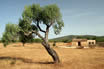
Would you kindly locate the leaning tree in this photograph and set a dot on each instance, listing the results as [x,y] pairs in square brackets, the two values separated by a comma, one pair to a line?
[41,19]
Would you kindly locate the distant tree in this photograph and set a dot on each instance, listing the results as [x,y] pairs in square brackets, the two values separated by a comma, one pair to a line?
[48,16]
[37,40]
[54,43]
[100,39]
[11,34]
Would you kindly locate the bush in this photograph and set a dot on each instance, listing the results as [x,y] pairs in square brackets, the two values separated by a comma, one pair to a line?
[54,43]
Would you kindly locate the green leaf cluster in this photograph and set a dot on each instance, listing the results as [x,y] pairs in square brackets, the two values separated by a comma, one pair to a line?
[11,34]
[48,15]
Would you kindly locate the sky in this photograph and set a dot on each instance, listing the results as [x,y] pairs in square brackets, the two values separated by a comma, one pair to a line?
[81,17]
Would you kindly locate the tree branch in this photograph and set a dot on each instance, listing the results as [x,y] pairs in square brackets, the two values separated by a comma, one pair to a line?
[38,35]
[51,23]
[40,28]
[30,33]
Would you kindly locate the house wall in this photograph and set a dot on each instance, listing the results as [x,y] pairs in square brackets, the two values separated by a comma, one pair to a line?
[91,42]
[74,43]
[84,43]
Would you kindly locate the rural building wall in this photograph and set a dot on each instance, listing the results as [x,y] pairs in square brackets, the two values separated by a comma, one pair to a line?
[84,43]
[74,43]
[91,42]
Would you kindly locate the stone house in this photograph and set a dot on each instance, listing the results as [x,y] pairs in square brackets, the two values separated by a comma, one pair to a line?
[83,42]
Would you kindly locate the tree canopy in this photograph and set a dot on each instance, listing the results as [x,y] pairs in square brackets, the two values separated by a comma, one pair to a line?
[25,26]
[10,34]
[48,15]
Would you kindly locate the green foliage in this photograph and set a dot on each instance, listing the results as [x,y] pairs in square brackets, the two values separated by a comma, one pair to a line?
[10,34]
[51,14]
[25,26]
[62,40]
[25,39]
[48,15]
[32,40]
[37,40]
[58,27]
[32,12]
[100,39]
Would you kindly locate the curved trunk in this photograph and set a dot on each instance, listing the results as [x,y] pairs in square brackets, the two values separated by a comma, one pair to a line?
[51,52]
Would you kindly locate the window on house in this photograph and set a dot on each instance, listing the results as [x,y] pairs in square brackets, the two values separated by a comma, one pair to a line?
[89,43]
[93,43]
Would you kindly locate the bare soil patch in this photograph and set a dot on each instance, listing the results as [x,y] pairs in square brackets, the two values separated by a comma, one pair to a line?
[34,56]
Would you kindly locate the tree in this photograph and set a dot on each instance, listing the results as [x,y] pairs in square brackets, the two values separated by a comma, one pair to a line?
[10,34]
[24,25]
[54,43]
[25,39]
[48,16]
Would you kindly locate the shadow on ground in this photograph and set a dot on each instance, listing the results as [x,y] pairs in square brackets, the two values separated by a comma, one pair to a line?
[25,60]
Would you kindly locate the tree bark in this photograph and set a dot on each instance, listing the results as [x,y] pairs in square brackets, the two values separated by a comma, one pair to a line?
[51,52]
[46,36]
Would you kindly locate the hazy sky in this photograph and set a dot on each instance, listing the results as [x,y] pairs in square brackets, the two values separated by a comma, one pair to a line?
[81,17]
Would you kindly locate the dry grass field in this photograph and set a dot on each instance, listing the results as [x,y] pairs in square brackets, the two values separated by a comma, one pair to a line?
[34,56]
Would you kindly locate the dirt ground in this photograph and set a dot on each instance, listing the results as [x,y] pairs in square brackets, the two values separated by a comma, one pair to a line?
[34,56]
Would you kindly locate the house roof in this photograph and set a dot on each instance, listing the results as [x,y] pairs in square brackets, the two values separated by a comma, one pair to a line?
[76,40]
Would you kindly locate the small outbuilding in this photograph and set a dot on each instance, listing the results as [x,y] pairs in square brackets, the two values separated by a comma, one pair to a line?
[83,42]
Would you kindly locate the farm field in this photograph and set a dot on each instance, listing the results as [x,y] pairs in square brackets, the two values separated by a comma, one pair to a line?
[34,56]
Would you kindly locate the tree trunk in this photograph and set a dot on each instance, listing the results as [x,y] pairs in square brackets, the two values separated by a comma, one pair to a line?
[46,35]
[51,52]
[23,44]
